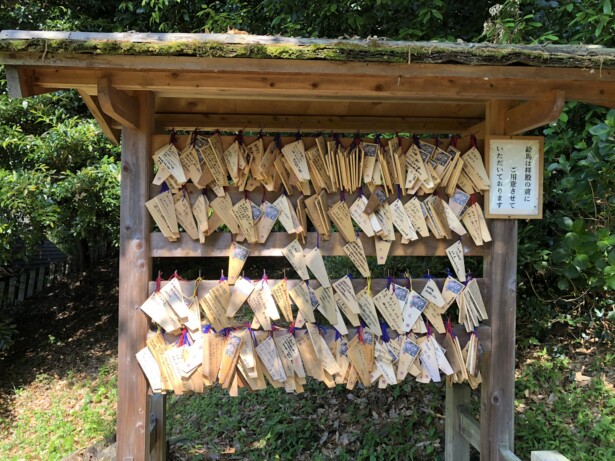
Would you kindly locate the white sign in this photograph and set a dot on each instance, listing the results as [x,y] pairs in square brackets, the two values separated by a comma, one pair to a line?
[515,166]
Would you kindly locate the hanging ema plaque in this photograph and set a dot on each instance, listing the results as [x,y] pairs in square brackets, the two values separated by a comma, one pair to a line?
[515,165]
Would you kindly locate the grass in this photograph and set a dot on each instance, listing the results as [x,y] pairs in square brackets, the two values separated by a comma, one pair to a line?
[54,417]
[564,402]
[560,409]
[557,408]
[320,424]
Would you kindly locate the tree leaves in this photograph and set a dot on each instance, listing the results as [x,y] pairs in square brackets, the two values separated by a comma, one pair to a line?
[42,138]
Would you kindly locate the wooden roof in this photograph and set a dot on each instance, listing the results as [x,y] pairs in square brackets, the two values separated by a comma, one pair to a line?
[234,81]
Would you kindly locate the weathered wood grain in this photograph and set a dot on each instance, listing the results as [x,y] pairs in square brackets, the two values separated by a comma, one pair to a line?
[498,367]
[326,87]
[287,48]
[469,427]
[217,245]
[135,270]
[456,446]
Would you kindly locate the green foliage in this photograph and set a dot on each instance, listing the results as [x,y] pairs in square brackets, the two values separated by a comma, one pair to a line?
[322,424]
[544,21]
[7,334]
[26,210]
[52,431]
[583,184]
[418,20]
[58,175]
[568,256]
[89,201]
[555,412]
[90,15]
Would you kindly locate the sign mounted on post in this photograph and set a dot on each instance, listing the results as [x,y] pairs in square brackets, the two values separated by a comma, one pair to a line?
[515,165]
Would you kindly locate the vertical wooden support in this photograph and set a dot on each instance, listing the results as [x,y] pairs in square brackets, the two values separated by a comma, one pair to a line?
[135,272]
[10,299]
[456,448]
[498,367]
[21,294]
[158,430]
[31,283]
[40,282]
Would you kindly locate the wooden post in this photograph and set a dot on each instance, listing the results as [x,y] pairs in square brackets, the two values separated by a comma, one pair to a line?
[10,299]
[135,272]
[498,367]
[31,283]
[21,294]
[158,427]
[40,282]
[457,448]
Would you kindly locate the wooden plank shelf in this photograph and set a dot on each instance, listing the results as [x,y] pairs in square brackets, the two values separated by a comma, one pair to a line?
[217,246]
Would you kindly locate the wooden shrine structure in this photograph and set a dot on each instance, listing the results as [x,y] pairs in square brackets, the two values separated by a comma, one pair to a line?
[140,86]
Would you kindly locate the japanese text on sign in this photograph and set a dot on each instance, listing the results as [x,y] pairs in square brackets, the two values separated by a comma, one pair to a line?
[515,169]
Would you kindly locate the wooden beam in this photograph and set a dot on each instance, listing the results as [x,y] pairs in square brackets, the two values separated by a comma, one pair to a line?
[153,428]
[498,366]
[373,109]
[550,455]
[285,66]
[158,439]
[456,446]
[117,104]
[104,121]
[331,87]
[469,427]
[477,130]
[218,244]
[534,114]
[190,121]
[135,272]
[19,81]
[527,116]
[505,454]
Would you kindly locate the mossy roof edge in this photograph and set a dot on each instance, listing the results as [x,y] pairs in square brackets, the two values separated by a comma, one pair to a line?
[275,47]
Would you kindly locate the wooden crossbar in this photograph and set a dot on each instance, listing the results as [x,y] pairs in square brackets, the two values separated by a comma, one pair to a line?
[217,246]
[469,427]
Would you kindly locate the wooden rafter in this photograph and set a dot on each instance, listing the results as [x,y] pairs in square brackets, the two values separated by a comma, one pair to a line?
[19,81]
[534,114]
[528,115]
[101,117]
[191,121]
[117,104]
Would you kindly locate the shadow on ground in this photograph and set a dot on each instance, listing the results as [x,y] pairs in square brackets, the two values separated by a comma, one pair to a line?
[66,331]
